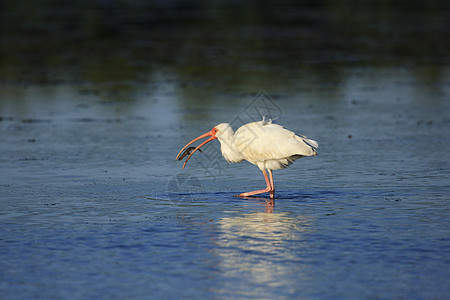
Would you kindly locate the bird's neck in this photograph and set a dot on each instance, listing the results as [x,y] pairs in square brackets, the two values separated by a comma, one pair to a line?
[229,151]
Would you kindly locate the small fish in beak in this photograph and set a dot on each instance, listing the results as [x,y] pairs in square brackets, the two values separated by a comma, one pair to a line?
[187,152]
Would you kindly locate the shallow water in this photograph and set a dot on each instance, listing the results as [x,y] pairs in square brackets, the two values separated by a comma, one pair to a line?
[93,203]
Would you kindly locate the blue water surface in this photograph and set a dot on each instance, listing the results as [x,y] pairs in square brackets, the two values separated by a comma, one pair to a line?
[97,206]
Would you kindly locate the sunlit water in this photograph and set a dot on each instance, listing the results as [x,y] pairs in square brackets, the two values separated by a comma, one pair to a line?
[93,203]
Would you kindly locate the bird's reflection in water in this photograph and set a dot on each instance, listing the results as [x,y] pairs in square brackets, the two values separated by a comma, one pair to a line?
[269,206]
[260,250]
[269,203]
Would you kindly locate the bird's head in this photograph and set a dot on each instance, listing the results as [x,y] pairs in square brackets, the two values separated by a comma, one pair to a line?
[216,133]
[223,130]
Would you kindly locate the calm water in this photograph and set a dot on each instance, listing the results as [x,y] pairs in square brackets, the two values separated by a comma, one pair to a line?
[93,203]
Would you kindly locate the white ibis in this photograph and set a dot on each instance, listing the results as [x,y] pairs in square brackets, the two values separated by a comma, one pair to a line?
[267,145]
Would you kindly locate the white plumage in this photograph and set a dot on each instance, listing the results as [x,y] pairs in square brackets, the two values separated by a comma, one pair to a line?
[264,144]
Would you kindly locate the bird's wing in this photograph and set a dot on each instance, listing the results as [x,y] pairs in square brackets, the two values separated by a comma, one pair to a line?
[259,142]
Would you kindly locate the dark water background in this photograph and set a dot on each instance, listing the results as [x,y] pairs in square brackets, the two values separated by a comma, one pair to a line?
[97,98]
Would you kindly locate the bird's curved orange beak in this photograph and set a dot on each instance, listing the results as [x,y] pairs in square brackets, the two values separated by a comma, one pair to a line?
[211,134]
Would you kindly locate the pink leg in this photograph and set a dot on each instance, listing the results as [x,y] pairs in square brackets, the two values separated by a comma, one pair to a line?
[269,189]
[272,187]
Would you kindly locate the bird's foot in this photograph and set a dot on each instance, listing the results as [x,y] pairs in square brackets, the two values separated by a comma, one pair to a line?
[268,190]
[252,193]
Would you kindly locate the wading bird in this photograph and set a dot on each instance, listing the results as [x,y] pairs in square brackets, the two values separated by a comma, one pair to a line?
[264,144]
